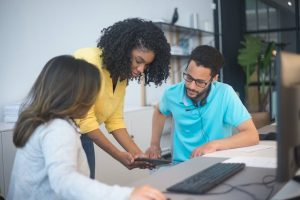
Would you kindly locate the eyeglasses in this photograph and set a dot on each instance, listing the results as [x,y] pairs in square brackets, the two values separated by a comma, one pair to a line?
[199,83]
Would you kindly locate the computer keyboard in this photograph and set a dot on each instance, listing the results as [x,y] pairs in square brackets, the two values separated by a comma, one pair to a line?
[207,179]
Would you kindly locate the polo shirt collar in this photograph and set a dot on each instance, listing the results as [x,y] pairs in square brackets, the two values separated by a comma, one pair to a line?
[185,100]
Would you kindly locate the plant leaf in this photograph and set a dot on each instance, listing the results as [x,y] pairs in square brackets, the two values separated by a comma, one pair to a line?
[248,55]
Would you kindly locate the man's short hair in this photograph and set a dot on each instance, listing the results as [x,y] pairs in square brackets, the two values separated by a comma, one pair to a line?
[208,57]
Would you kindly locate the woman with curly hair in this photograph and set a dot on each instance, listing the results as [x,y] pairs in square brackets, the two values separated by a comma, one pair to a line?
[126,50]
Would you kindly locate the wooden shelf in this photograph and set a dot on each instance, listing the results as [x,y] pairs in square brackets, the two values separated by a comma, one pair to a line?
[181,55]
[182,41]
[267,83]
[183,29]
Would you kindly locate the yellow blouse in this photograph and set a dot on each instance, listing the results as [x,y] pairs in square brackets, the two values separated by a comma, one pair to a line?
[109,105]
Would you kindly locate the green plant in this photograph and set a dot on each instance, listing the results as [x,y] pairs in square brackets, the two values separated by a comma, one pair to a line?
[256,55]
[249,54]
[264,63]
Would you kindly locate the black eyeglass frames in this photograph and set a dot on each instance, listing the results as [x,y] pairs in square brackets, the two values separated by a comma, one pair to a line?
[200,83]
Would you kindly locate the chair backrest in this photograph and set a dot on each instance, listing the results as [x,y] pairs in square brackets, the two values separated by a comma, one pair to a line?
[261,119]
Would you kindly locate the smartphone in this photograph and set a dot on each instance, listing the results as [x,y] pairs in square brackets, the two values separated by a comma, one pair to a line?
[154,161]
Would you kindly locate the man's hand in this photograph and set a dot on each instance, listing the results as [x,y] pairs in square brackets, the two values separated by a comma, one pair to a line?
[205,149]
[153,151]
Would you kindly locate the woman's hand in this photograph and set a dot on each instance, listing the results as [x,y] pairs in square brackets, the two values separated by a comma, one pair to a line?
[126,159]
[142,164]
[146,193]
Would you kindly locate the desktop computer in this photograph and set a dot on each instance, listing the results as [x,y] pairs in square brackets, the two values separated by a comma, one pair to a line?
[288,115]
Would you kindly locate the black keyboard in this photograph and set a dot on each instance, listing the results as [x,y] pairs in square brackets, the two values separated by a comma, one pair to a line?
[207,179]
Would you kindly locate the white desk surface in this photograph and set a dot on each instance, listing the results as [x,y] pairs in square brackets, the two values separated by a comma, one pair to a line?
[268,149]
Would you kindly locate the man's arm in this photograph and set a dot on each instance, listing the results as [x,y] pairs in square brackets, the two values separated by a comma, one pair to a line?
[158,122]
[247,135]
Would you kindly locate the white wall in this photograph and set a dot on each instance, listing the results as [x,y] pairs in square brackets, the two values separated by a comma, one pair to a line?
[33,31]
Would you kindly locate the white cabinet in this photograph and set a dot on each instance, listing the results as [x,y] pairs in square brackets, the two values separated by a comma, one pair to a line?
[7,151]
[1,168]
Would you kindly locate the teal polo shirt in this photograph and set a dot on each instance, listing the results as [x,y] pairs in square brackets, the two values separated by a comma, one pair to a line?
[195,125]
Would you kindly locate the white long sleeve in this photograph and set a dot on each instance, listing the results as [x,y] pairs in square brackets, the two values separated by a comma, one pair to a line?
[55,167]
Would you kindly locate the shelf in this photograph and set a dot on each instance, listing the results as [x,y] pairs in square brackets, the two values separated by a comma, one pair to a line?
[267,83]
[183,29]
[182,41]
[181,55]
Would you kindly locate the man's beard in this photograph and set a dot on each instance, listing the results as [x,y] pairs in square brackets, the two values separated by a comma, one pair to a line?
[200,95]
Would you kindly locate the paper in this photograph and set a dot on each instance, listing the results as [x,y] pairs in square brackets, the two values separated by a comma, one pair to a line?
[264,162]
[253,148]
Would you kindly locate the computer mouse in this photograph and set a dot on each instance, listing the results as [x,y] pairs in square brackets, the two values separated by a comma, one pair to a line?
[296,178]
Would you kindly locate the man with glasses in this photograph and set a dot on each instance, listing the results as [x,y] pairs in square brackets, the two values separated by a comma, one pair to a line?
[205,112]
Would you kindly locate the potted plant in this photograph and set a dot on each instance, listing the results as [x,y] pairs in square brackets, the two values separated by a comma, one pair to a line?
[256,57]
[248,56]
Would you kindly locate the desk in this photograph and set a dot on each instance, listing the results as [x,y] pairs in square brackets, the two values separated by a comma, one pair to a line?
[291,189]
[166,177]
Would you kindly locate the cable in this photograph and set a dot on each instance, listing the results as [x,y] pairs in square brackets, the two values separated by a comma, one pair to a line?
[264,182]
[224,192]
[246,192]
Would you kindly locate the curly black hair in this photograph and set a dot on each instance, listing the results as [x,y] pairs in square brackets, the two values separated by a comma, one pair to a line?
[118,41]
[208,57]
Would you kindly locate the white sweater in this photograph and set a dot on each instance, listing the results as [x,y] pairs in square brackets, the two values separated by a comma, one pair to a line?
[53,165]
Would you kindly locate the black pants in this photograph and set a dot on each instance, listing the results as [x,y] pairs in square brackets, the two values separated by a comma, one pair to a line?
[88,147]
